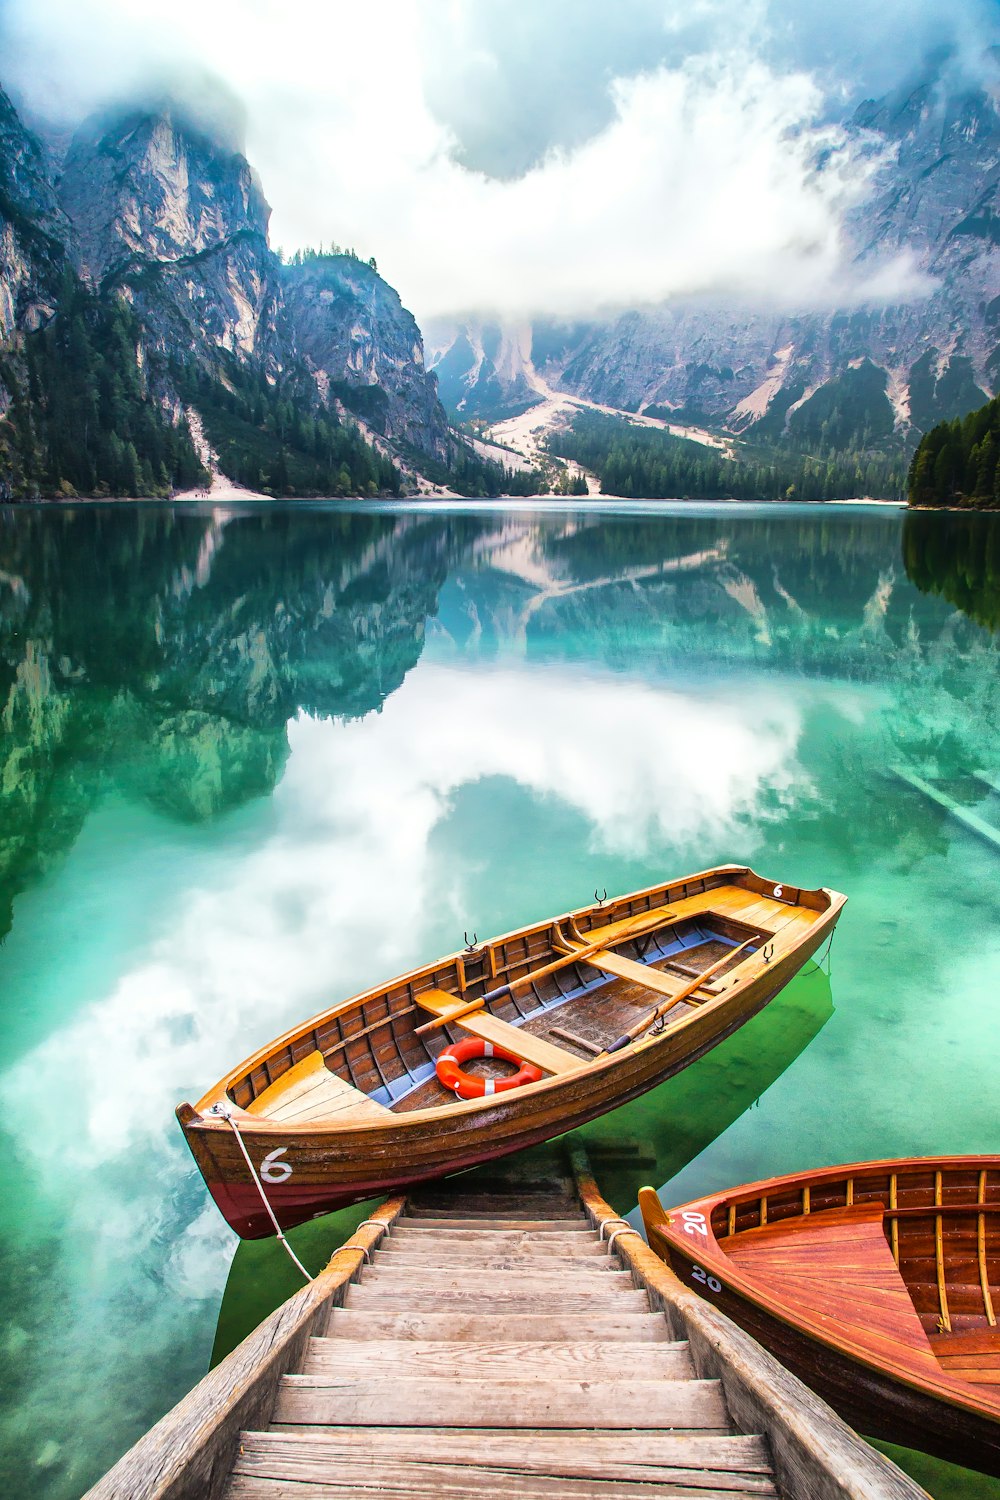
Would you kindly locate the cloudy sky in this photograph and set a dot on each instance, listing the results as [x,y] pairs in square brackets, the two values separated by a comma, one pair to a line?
[526,155]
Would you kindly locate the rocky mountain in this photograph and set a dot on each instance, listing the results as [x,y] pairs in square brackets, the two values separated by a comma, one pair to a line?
[362,345]
[176,223]
[34,233]
[761,372]
[154,211]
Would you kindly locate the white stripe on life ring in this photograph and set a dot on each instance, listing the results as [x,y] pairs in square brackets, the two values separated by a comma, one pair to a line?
[488,1053]
[491,1086]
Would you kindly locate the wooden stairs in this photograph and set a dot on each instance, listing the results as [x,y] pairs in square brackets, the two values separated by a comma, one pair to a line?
[494,1343]
[480,1338]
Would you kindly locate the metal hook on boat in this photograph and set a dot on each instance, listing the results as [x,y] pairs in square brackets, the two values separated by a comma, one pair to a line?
[600,899]
[471,947]
[768,952]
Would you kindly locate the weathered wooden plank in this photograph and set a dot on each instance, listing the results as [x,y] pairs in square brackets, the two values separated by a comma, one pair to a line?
[594,1279]
[417,1248]
[465,1482]
[293,1474]
[618,1454]
[499,1299]
[465,1324]
[399,1398]
[503,1361]
[437,1219]
[963,815]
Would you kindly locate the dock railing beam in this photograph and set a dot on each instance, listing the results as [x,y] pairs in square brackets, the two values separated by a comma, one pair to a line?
[816,1455]
[190,1452]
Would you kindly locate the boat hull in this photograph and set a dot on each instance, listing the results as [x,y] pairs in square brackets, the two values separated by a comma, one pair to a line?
[814,1309]
[871,1401]
[309,1164]
[325,1169]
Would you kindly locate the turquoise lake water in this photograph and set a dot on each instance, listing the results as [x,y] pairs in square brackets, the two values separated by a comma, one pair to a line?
[254,759]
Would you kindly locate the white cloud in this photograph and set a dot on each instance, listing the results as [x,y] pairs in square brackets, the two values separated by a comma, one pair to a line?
[702,177]
[294,926]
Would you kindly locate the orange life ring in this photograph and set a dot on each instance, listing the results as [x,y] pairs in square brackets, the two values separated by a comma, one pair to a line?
[466,1085]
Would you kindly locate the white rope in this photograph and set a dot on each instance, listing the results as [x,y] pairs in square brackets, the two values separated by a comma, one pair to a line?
[613,1237]
[220,1109]
[605,1222]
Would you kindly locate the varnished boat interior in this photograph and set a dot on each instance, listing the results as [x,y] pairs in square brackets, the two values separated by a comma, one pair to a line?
[374,1055]
[912,1254]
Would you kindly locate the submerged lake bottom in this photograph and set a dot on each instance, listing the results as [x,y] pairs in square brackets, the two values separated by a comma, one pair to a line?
[255,759]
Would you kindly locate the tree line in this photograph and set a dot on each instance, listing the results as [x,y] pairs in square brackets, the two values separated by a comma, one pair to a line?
[272,438]
[81,420]
[647,463]
[956,463]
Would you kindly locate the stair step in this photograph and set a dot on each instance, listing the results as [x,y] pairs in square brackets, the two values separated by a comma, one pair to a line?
[477,1279]
[488,1202]
[517,1300]
[508,1360]
[414,1251]
[548,1240]
[397,1398]
[256,1479]
[492,1221]
[587,1266]
[654,1456]
[465,1325]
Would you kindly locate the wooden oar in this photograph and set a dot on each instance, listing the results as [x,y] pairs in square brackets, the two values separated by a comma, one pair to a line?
[647,919]
[689,989]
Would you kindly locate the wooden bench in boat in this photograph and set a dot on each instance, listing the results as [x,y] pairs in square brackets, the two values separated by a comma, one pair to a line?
[836,1263]
[533,1049]
[640,973]
[973,1355]
[309,1091]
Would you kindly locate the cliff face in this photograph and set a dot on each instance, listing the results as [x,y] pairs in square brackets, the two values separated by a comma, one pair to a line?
[361,344]
[742,365]
[178,224]
[152,207]
[33,230]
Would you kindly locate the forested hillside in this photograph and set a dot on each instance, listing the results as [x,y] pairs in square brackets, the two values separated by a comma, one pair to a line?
[647,463]
[956,462]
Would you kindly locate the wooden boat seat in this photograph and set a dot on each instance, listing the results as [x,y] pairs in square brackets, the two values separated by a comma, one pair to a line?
[639,973]
[309,1091]
[973,1355]
[838,1264]
[533,1049]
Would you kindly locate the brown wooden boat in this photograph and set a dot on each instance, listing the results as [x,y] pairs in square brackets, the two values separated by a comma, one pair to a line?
[878,1284]
[597,1006]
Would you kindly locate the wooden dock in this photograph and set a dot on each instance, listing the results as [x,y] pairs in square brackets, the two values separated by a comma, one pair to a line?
[964,815]
[509,1334]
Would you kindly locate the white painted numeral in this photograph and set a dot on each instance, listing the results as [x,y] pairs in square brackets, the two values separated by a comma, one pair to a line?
[694,1223]
[273,1170]
[779,891]
[712,1282]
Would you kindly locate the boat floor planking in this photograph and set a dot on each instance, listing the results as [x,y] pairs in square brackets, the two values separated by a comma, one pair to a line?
[347,1105]
[877,1283]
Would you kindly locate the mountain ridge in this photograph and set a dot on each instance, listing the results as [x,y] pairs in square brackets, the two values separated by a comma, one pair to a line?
[747,369]
[152,212]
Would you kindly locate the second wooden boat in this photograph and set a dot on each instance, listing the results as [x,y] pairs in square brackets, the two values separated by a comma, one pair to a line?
[571,1017]
[878,1284]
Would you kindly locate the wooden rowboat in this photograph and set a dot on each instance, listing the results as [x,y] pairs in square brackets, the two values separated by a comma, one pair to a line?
[348,1105]
[878,1284]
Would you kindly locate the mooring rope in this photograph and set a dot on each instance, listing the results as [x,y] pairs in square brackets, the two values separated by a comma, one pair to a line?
[826,952]
[226,1114]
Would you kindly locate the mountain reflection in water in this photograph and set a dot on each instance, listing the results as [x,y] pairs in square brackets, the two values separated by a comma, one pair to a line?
[251,760]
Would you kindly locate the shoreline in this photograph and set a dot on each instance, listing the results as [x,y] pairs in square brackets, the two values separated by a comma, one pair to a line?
[236,496]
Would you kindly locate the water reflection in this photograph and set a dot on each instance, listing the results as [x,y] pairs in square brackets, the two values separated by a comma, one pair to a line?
[252,761]
[956,556]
